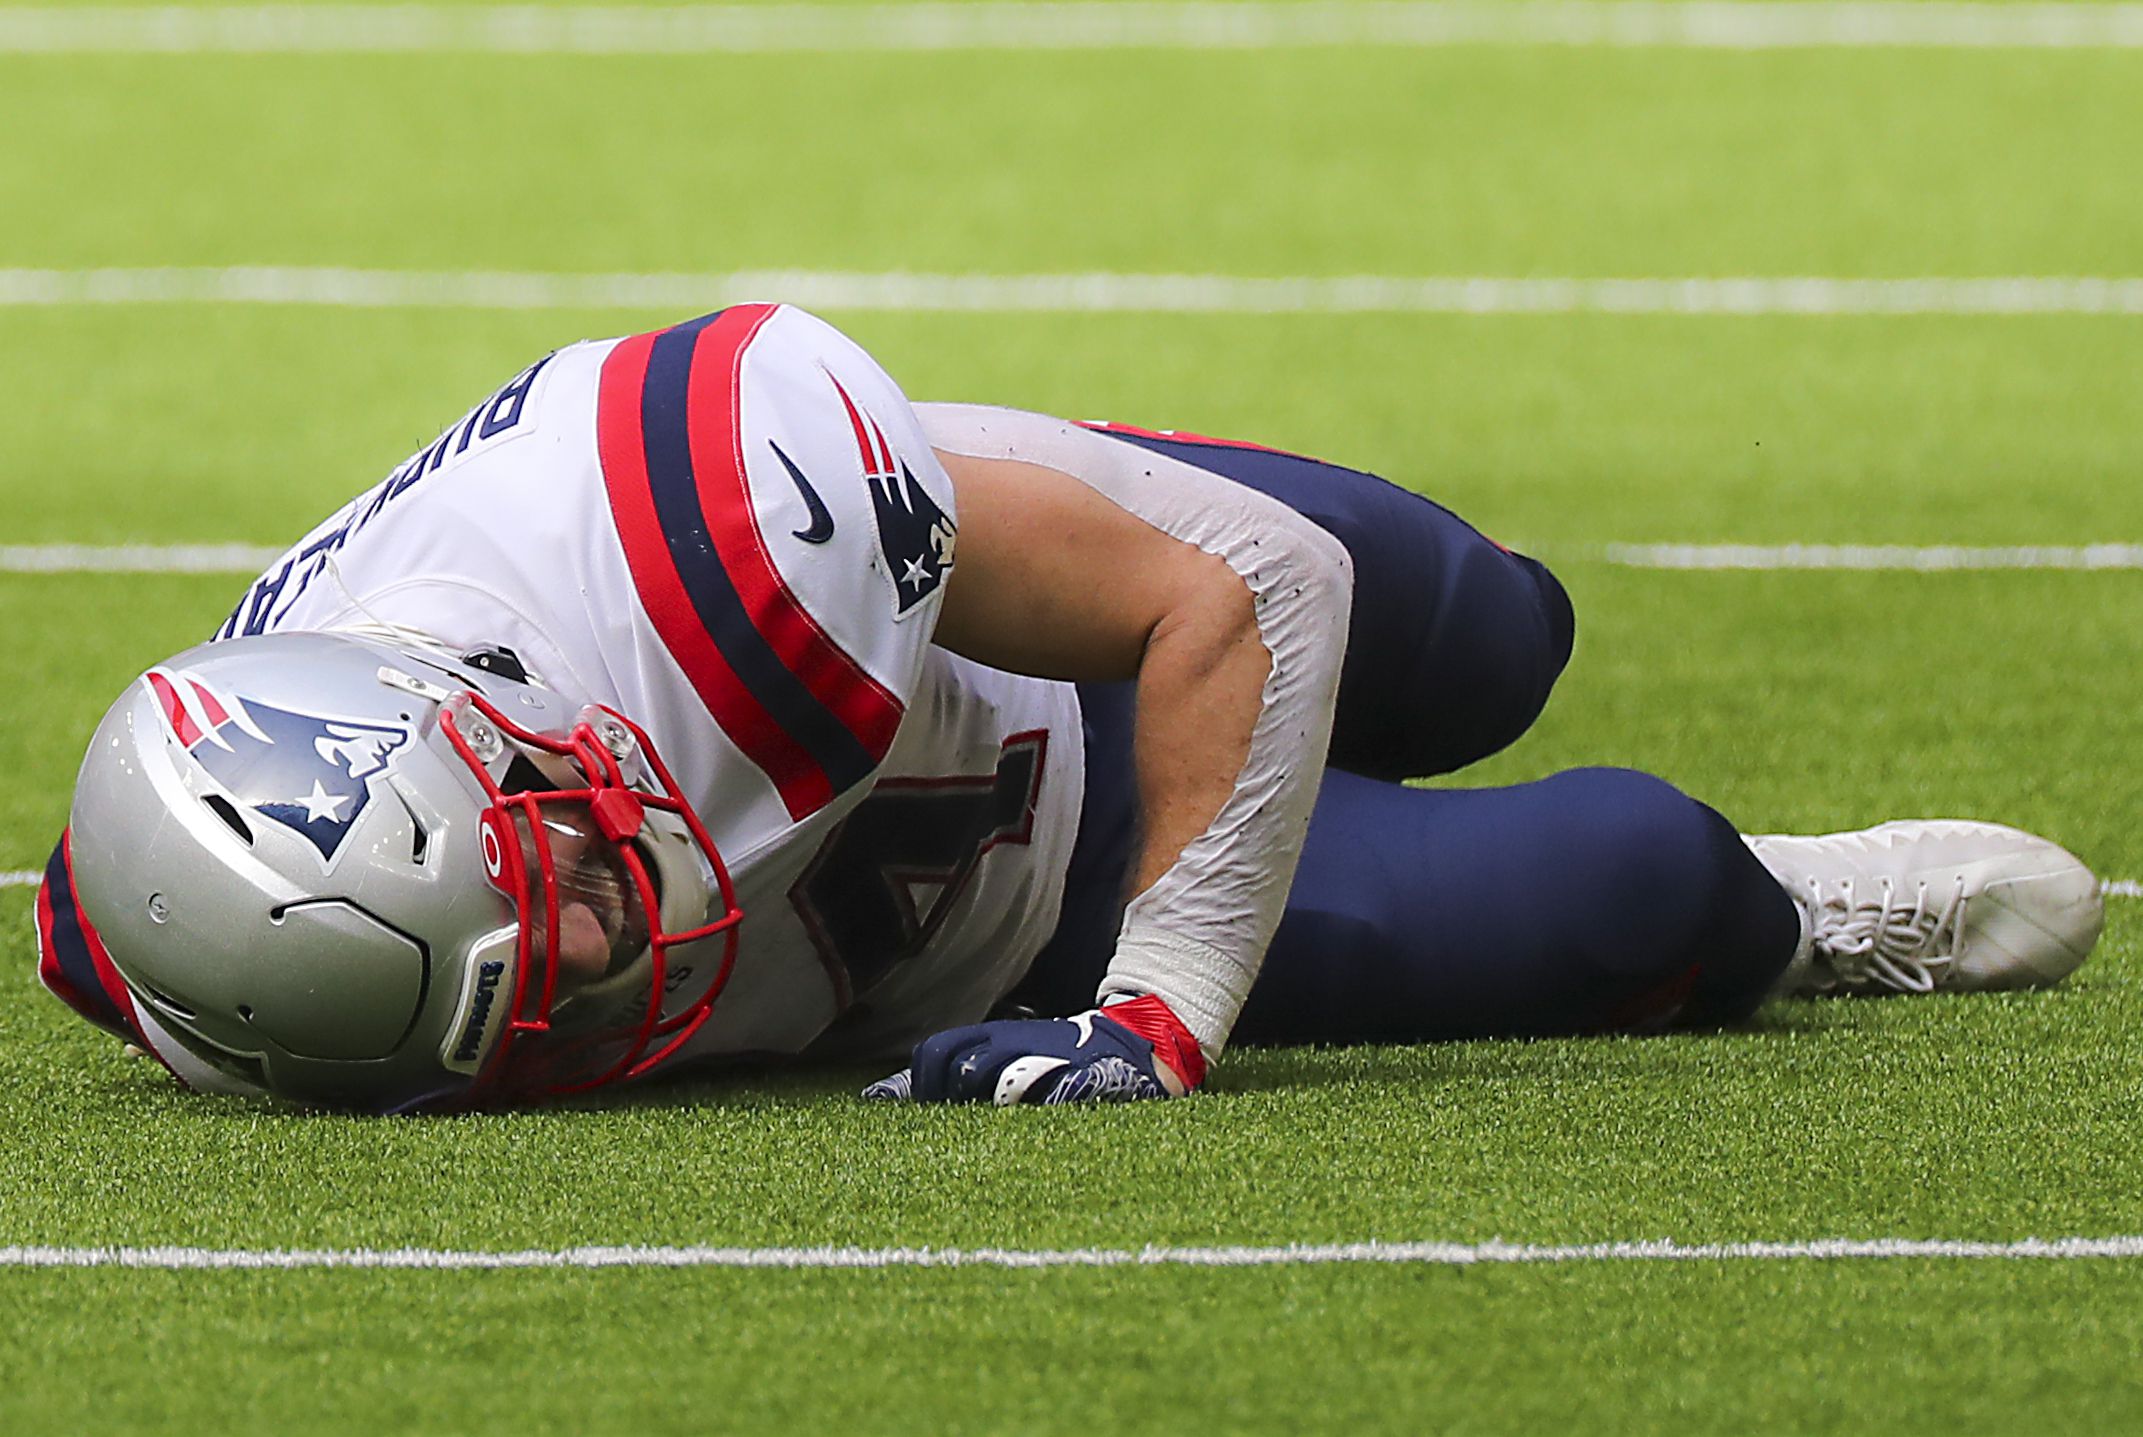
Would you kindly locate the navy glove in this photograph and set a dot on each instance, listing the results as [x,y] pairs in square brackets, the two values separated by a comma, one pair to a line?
[1128,1050]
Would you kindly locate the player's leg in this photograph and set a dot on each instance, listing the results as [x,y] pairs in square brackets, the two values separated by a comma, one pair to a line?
[1454,641]
[1598,899]
[1595,900]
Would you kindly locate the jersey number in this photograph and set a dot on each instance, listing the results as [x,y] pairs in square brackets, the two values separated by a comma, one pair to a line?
[887,877]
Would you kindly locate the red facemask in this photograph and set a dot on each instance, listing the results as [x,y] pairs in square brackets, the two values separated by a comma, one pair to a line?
[600,993]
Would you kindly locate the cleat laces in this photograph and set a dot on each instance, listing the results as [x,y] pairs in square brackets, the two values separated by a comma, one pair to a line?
[1880,940]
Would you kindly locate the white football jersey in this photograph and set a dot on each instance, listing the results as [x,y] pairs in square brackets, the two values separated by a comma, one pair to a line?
[734,532]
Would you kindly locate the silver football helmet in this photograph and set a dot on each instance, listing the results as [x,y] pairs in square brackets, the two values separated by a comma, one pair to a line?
[358,874]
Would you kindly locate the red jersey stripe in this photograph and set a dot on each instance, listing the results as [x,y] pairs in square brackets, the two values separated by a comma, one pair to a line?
[108,978]
[862,705]
[55,928]
[49,971]
[621,447]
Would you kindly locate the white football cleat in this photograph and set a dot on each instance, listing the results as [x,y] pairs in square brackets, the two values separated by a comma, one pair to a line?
[1926,904]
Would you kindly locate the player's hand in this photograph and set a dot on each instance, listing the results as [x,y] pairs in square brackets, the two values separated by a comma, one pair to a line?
[1128,1050]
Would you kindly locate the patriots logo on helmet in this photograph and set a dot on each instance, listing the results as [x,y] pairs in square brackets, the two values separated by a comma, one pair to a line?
[914,534]
[311,773]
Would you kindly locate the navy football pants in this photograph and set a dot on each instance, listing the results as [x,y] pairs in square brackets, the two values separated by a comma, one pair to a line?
[1596,900]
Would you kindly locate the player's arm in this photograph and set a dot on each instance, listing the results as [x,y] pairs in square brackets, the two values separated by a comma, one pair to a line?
[1055,580]
[1082,557]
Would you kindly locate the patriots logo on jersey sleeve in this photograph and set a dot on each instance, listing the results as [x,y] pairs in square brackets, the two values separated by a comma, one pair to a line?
[312,773]
[914,534]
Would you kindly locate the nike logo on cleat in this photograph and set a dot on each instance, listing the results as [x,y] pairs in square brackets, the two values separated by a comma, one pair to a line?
[821,520]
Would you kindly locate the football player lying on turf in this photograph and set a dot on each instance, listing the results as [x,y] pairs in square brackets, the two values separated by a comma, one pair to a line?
[653,681]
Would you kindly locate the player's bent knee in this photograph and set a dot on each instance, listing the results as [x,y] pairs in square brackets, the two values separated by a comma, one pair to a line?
[1484,644]
[1686,901]
[1536,649]
[1559,621]
[1651,829]
[1642,846]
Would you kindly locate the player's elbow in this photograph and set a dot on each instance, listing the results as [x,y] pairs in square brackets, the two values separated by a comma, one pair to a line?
[1287,586]
[1322,574]
[1271,609]
[1302,583]
[1211,618]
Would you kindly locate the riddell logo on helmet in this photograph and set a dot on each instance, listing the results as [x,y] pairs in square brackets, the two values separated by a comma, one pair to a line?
[485,984]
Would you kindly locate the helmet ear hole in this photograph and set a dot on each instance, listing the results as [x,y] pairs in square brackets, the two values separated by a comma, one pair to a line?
[224,809]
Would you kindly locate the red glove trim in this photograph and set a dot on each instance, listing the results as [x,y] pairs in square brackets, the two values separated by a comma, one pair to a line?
[1157,1023]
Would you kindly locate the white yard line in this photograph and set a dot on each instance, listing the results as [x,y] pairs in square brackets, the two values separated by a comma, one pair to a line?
[1074,293]
[1421,1253]
[1895,557]
[817,29]
[135,558]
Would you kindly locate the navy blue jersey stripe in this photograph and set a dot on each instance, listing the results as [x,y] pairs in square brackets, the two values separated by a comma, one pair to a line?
[675,490]
[70,950]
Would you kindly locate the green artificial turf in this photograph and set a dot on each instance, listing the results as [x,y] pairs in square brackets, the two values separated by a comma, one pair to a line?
[195,424]
[1315,161]
[1703,1349]
[1793,701]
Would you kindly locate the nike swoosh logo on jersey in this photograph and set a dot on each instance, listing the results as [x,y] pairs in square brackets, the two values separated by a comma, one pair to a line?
[821,520]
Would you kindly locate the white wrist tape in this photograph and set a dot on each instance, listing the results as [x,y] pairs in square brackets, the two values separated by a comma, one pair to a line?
[1203,986]
[1196,938]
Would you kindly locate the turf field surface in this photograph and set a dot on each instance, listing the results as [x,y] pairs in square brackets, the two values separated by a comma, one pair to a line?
[1789,700]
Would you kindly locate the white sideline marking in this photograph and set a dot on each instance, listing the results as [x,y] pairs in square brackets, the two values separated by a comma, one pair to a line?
[1921,559]
[135,558]
[818,28]
[1073,293]
[1447,1254]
